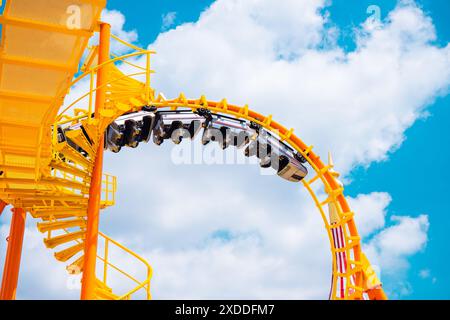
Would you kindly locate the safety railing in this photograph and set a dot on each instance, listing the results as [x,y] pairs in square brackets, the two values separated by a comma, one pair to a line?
[86,110]
[82,109]
[69,183]
[109,188]
[140,285]
[143,286]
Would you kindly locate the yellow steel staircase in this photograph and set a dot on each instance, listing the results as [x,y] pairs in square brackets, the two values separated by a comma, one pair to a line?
[41,171]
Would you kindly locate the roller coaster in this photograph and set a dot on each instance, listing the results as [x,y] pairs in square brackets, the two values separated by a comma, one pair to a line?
[51,157]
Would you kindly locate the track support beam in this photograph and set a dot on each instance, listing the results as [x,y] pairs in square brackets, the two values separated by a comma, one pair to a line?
[13,255]
[88,283]
[377,294]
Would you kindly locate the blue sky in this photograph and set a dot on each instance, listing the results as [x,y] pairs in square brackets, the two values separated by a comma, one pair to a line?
[394,167]
[414,175]
[423,190]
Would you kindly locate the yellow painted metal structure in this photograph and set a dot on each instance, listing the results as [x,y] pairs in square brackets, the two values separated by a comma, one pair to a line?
[53,181]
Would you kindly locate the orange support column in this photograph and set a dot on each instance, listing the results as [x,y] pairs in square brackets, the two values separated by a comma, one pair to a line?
[13,255]
[88,283]
[3,205]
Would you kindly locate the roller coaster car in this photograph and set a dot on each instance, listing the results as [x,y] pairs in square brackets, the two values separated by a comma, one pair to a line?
[130,130]
[228,132]
[177,125]
[181,124]
[274,153]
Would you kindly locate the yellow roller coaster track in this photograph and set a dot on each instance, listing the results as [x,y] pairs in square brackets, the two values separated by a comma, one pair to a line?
[59,182]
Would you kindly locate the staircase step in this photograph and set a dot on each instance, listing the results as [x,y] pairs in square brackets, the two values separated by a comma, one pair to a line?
[43,184]
[105,295]
[137,102]
[73,155]
[122,107]
[50,196]
[66,183]
[76,267]
[65,167]
[18,169]
[80,139]
[58,212]
[37,192]
[49,216]
[91,129]
[69,253]
[102,285]
[25,205]
[53,216]
[58,209]
[59,240]
[58,225]
[107,113]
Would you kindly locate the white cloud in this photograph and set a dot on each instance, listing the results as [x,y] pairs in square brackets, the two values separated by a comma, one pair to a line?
[356,104]
[117,21]
[226,231]
[403,289]
[168,20]
[41,276]
[390,250]
[393,245]
[371,210]
[425,273]
[203,224]
[204,237]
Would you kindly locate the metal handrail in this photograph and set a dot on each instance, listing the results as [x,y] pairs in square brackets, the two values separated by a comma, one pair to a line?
[132,46]
[126,56]
[91,91]
[146,71]
[109,188]
[141,284]
[107,263]
[129,63]
[129,294]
